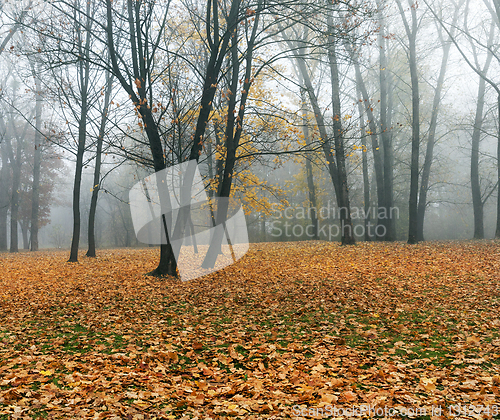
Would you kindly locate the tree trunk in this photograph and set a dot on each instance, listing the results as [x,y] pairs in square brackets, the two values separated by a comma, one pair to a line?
[83,72]
[167,265]
[311,189]
[16,164]
[415,140]
[338,135]
[35,200]
[372,125]
[218,49]
[415,124]
[477,201]
[82,136]
[219,162]
[14,212]
[311,192]
[5,179]
[93,205]
[234,129]
[263,232]
[366,178]
[386,136]
[97,169]
[426,170]
[25,233]
[140,61]
[497,232]
[14,202]
[330,161]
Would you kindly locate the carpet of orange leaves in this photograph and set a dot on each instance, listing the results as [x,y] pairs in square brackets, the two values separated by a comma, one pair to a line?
[290,329]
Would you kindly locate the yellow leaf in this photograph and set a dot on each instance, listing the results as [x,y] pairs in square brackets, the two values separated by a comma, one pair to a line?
[46,372]
[428,384]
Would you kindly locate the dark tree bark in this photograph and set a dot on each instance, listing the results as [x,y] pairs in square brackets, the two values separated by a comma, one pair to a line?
[97,168]
[219,164]
[16,165]
[219,46]
[140,75]
[373,129]
[364,162]
[385,134]
[83,74]
[234,128]
[14,199]
[311,189]
[477,199]
[35,200]
[415,125]
[496,13]
[332,158]
[338,136]
[311,193]
[82,136]
[497,230]
[25,233]
[263,232]
[5,181]
[14,204]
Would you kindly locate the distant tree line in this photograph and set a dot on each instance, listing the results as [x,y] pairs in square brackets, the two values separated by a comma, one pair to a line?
[353,92]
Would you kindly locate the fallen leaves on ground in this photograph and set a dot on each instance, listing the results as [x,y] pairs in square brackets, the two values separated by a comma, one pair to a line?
[307,324]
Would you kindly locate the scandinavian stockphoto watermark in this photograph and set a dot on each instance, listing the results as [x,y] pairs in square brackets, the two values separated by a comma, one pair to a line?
[370,411]
[171,207]
[297,222]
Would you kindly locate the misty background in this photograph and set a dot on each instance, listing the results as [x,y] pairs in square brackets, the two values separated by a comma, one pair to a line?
[47,58]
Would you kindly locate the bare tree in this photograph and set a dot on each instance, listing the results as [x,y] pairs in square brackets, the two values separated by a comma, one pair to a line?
[431,136]
[385,129]
[478,201]
[297,43]
[16,20]
[16,160]
[96,185]
[35,200]
[411,33]
[5,180]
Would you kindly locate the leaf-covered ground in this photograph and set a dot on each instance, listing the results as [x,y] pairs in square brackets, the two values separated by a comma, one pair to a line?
[289,329]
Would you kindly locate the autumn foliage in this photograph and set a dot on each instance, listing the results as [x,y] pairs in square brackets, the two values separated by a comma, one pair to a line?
[309,324]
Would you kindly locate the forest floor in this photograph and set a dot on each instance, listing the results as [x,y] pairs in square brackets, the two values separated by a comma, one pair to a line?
[292,330]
